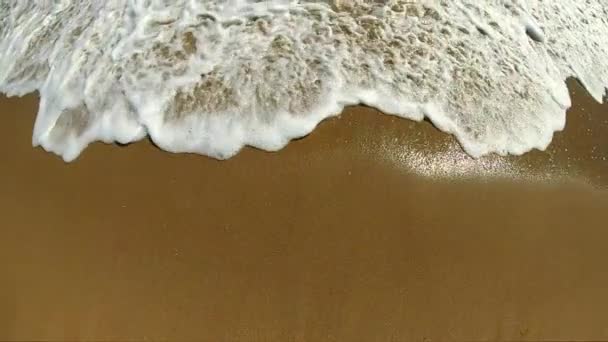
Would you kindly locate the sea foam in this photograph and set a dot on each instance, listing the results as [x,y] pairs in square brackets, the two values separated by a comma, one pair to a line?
[211,76]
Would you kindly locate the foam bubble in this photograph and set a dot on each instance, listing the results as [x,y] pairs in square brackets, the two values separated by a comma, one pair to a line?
[212,76]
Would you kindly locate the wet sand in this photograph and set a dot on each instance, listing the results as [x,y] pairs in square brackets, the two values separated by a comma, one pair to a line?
[372,228]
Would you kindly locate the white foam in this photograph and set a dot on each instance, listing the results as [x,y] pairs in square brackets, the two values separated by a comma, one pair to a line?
[212,76]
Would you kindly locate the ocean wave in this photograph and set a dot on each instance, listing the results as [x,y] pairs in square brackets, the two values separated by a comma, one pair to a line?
[211,76]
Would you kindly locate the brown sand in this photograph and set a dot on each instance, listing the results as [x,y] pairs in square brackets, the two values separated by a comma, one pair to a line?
[371,229]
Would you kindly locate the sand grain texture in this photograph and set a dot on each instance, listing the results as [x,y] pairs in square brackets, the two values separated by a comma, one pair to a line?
[331,239]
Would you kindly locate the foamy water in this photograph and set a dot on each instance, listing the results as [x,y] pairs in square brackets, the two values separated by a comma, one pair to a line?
[210,76]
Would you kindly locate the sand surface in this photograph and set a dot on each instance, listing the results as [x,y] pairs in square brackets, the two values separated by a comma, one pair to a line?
[372,228]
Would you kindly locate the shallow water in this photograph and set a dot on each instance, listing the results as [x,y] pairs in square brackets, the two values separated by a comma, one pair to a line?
[212,76]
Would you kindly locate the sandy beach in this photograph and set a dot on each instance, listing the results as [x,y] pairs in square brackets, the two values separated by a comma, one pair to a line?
[372,228]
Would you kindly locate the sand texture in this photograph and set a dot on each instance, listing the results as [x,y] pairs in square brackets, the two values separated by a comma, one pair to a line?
[372,228]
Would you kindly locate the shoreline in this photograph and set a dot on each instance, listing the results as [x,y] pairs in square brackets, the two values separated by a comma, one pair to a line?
[340,235]
[577,153]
